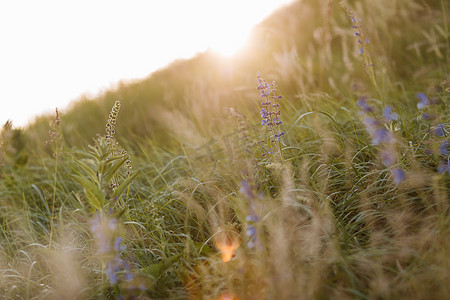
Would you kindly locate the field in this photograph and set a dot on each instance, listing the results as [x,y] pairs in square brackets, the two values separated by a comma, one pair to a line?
[313,164]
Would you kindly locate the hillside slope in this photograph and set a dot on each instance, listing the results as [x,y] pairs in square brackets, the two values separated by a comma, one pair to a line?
[307,47]
[314,164]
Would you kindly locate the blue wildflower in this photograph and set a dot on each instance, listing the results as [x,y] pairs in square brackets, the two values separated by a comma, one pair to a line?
[363,104]
[443,148]
[264,113]
[252,218]
[251,231]
[387,157]
[271,110]
[423,100]
[444,167]
[371,123]
[361,51]
[111,271]
[426,116]
[117,244]
[389,115]
[399,175]
[246,189]
[439,131]
[381,135]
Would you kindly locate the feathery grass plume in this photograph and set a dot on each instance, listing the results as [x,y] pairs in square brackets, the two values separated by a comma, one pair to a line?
[55,135]
[271,116]
[243,130]
[56,141]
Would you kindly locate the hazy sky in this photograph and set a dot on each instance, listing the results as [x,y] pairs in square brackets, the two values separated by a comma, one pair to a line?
[51,52]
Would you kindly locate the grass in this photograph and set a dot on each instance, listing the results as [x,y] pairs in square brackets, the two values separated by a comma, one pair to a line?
[195,190]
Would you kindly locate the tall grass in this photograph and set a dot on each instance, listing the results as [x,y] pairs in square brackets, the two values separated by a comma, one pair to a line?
[312,165]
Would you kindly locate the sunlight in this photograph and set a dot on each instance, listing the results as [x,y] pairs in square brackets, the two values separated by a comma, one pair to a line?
[230,23]
[58,57]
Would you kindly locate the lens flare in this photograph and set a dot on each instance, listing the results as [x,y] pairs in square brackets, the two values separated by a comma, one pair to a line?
[227,240]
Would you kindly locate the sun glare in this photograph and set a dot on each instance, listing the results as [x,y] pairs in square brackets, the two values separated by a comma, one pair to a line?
[52,58]
[227,240]
[231,22]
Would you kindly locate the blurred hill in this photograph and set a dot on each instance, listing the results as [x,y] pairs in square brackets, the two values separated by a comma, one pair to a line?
[307,47]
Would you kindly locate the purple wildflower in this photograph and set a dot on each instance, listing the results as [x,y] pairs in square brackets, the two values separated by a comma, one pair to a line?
[439,131]
[111,271]
[444,167]
[443,148]
[363,104]
[270,113]
[423,100]
[387,157]
[109,245]
[389,115]
[117,244]
[371,123]
[399,175]
[252,218]
[426,116]
[264,113]
[381,135]
[102,230]
[251,231]
[247,190]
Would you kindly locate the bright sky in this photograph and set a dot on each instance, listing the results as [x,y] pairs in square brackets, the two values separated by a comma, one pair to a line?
[51,52]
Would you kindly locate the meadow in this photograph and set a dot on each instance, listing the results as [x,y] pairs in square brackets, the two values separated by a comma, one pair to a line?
[313,164]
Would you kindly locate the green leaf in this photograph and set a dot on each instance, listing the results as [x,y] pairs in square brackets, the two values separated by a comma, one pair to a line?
[156,270]
[114,167]
[93,193]
[124,184]
[86,168]
[202,248]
